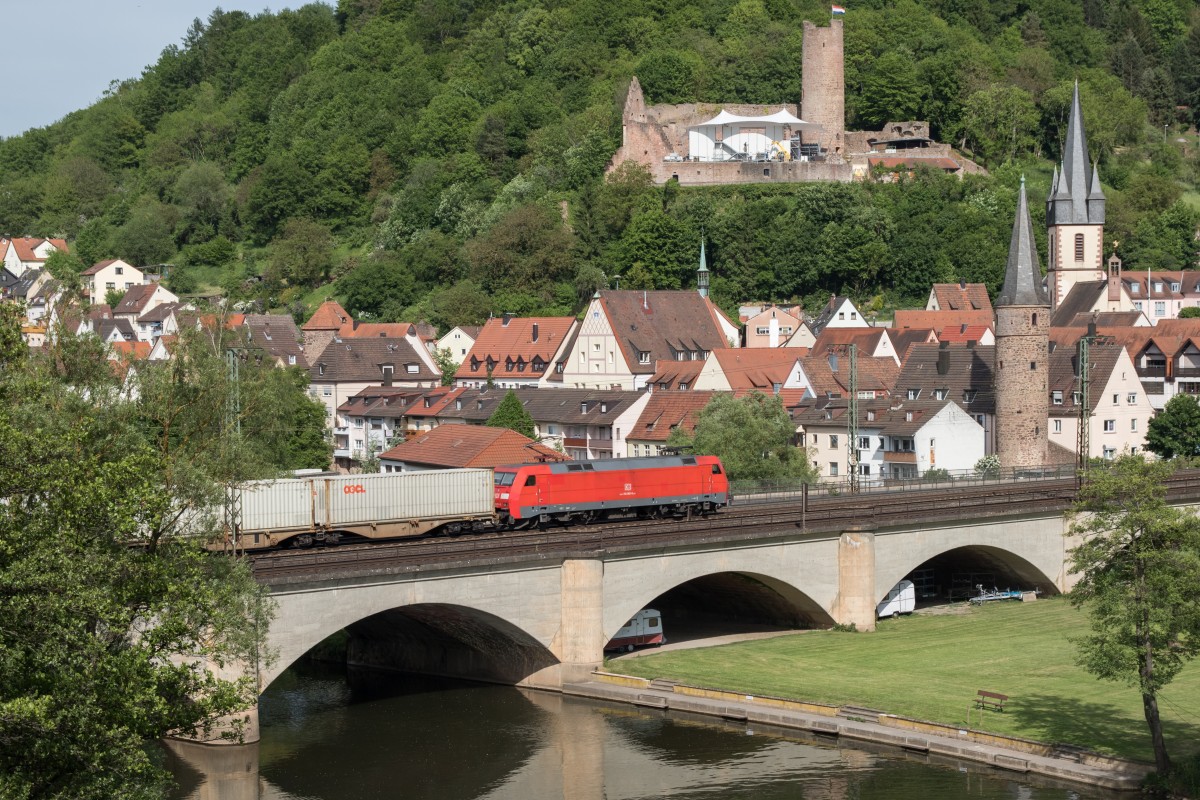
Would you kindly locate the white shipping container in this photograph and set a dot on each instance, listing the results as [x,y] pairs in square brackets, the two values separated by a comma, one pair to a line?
[279,505]
[447,493]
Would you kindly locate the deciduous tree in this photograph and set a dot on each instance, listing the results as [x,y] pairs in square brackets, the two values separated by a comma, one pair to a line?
[1176,430]
[1139,566]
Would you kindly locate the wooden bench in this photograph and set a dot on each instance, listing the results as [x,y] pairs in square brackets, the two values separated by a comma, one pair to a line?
[993,700]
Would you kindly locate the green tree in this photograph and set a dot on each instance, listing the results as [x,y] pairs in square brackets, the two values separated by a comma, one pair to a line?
[146,238]
[891,90]
[1191,312]
[752,435]
[512,414]
[104,645]
[303,253]
[1139,566]
[1176,430]
[1000,123]
[445,364]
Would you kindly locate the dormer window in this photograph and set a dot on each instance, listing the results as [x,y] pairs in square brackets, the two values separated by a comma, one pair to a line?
[320,369]
[412,369]
[870,416]
[643,357]
[1136,288]
[1158,287]
[583,407]
[914,394]
[387,370]
[939,394]
[603,408]
[1174,287]
[474,363]
[458,404]
[683,386]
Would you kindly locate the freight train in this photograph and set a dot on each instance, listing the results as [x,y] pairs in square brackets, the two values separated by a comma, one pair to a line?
[325,509]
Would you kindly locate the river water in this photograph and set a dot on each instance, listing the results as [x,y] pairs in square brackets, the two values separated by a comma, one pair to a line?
[336,734]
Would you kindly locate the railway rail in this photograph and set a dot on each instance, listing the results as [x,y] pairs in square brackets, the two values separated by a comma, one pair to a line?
[739,523]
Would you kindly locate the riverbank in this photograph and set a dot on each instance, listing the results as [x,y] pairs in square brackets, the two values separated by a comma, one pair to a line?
[930,666]
[1071,765]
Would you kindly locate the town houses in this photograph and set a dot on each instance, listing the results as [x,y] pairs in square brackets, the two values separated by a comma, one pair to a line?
[929,390]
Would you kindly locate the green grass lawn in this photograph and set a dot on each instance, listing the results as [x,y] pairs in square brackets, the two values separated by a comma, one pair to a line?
[930,666]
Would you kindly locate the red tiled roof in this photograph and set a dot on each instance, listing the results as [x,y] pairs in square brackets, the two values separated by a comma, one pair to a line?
[674,374]
[964,333]
[471,446]
[329,316]
[666,411]
[126,350]
[874,374]
[661,323]
[962,296]
[757,367]
[513,342]
[359,330]
[940,320]
[99,265]
[437,400]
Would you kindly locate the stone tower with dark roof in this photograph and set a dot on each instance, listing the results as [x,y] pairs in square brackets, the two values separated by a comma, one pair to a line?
[1074,214]
[1022,351]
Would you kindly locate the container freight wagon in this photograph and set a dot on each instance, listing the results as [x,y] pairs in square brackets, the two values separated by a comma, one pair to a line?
[324,508]
[584,491]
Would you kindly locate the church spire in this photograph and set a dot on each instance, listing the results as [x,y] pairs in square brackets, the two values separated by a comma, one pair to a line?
[702,272]
[1023,276]
[1074,199]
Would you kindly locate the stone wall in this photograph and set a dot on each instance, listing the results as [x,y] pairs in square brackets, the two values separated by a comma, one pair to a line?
[720,173]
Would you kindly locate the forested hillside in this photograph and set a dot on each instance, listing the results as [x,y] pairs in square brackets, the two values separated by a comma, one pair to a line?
[416,158]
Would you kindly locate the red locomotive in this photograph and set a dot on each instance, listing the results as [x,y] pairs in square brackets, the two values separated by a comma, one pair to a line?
[587,491]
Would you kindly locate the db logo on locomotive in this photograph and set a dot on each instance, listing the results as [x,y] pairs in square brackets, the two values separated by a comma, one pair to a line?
[354,488]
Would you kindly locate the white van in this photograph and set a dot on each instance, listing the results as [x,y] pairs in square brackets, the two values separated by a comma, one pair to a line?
[902,599]
[645,628]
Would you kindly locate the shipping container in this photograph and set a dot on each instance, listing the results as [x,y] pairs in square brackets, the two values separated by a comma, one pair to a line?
[434,494]
[278,505]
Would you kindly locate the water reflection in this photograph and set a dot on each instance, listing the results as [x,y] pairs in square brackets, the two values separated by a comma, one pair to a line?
[330,735]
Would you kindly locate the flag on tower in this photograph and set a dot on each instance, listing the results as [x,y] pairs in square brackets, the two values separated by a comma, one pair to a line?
[839,10]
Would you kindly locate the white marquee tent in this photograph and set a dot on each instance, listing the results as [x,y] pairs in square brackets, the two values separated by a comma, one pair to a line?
[727,136]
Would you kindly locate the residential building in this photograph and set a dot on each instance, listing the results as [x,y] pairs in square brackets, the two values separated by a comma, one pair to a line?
[321,328]
[870,342]
[140,299]
[960,296]
[512,352]
[941,321]
[23,253]
[458,341]
[1118,412]
[111,275]
[767,370]
[624,334]
[276,336]
[771,326]
[839,312]
[959,372]
[664,413]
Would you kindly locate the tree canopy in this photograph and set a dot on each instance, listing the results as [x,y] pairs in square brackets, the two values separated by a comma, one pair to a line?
[1138,561]
[111,480]
[1175,431]
[411,147]
[752,435]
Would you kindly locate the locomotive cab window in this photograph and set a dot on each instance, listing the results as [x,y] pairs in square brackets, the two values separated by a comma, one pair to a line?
[716,469]
[531,480]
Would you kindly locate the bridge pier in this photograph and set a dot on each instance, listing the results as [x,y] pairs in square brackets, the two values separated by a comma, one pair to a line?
[855,604]
[579,645]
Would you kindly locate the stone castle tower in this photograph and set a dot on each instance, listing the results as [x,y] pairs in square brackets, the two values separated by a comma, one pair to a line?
[1022,354]
[823,83]
[1074,214]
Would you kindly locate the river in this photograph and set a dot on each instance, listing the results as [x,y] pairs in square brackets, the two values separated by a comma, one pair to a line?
[335,734]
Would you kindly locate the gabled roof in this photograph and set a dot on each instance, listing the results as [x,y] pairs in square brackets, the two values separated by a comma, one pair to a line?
[362,360]
[1081,299]
[329,316]
[275,334]
[104,328]
[1064,374]
[941,320]
[387,402]
[396,330]
[433,401]
[519,347]
[661,324]
[99,265]
[160,312]
[1107,319]
[891,417]
[829,374]
[867,340]
[454,446]
[676,375]
[666,411]
[24,247]
[965,333]
[757,367]
[967,378]
[904,338]
[136,298]
[961,296]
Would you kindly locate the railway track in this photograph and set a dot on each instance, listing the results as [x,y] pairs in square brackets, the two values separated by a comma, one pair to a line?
[746,522]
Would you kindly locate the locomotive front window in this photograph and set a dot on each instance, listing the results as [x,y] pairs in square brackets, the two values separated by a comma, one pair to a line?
[505,478]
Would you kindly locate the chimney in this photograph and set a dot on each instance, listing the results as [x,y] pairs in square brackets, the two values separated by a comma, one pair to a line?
[535,331]
[1092,329]
[507,318]
[943,362]
[962,285]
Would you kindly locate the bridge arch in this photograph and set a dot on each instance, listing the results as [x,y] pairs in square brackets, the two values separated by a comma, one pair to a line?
[753,586]
[1027,559]
[452,624]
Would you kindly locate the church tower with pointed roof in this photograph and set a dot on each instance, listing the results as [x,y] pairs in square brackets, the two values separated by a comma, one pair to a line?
[1022,353]
[1074,214]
